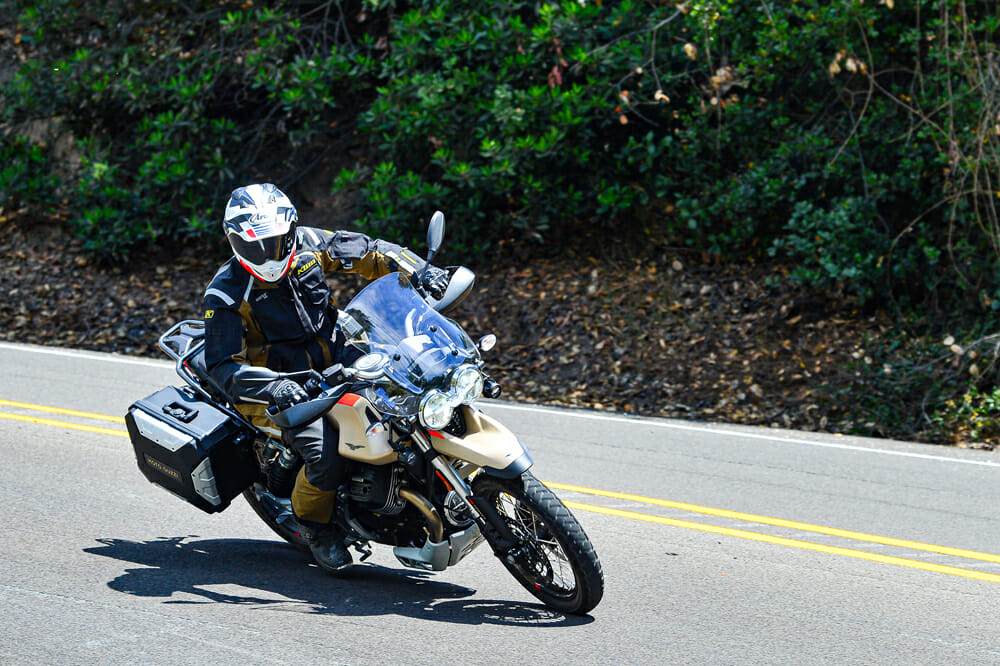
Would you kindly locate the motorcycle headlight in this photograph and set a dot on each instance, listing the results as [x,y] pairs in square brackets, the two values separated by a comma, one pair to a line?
[435,411]
[467,383]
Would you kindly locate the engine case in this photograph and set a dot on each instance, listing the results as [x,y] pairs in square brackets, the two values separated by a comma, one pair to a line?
[376,488]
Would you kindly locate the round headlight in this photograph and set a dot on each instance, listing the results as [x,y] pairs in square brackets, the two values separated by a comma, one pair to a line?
[467,383]
[435,412]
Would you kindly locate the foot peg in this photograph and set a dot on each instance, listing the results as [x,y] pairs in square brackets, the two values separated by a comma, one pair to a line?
[362,549]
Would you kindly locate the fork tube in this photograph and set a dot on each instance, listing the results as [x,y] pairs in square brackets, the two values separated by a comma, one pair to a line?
[498,534]
[448,474]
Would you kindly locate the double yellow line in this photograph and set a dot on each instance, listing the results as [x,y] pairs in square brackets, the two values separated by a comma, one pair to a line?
[639,499]
[790,524]
[63,412]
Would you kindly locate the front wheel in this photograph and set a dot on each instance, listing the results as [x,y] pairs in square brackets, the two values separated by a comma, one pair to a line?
[553,559]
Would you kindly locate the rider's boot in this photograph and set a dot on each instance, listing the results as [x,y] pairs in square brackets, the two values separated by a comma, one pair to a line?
[313,509]
[327,545]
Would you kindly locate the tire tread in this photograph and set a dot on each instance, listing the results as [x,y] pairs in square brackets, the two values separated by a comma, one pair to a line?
[572,538]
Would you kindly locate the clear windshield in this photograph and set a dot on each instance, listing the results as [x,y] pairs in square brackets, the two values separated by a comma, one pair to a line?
[420,347]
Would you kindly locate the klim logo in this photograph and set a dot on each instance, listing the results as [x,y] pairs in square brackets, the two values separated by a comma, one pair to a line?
[302,269]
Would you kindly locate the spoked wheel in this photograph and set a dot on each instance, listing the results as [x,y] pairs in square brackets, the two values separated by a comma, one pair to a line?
[554,559]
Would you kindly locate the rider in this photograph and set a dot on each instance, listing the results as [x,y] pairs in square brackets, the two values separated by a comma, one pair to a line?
[270,306]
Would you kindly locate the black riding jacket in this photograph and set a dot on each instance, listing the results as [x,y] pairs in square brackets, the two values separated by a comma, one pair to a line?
[288,325]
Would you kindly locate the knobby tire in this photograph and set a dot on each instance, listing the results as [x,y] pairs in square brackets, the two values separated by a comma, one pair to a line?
[554,547]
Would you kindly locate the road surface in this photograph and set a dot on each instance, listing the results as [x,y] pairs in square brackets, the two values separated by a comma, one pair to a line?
[722,545]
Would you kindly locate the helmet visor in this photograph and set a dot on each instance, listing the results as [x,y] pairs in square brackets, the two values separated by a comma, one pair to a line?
[259,251]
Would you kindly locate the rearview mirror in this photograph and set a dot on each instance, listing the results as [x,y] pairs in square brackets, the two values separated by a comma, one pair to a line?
[459,285]
[435,234]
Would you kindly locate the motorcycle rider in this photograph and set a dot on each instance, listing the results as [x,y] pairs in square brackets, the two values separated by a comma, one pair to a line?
[269,310]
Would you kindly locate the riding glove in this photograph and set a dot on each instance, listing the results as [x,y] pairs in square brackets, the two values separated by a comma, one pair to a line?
[435,281]
[284,393]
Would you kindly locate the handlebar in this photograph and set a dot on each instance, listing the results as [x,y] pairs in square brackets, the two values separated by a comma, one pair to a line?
[306,412]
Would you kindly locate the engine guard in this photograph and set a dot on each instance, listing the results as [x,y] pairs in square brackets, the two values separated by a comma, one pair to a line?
[438,556]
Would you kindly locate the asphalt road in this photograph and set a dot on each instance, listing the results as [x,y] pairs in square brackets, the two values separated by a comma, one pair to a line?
[720,545]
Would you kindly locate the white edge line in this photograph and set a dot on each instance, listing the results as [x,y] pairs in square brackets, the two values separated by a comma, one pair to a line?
[92,356]
[646,421]
[656,423]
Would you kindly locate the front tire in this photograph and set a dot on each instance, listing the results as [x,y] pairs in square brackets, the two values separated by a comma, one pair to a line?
[554,560]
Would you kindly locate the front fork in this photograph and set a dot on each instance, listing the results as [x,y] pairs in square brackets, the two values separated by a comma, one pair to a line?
[493,527]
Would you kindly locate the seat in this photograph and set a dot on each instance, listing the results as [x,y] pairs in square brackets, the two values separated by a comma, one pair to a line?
[196,364]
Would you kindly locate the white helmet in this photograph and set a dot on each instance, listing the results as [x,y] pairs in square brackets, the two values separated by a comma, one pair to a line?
[260,226]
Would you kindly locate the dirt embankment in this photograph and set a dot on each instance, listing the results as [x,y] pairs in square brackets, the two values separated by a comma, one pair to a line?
[672,337]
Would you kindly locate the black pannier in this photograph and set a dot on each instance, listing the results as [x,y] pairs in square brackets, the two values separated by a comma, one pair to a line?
[192,448]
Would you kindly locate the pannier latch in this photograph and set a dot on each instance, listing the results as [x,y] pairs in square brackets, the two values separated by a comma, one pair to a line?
[180,412]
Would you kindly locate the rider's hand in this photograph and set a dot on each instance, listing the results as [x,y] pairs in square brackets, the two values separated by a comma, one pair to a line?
[435,281]
[285,393]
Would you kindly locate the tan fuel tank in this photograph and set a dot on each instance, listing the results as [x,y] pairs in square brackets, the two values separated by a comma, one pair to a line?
[351,415]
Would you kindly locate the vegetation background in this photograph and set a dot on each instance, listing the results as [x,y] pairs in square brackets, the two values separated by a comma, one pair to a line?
[833,161]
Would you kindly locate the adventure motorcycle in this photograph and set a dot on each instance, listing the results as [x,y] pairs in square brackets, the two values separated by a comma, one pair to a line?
[428,472]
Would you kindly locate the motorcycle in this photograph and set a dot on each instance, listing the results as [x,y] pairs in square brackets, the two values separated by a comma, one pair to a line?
[429,474]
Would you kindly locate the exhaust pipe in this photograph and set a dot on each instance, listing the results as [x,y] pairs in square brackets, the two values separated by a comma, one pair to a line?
[434,524]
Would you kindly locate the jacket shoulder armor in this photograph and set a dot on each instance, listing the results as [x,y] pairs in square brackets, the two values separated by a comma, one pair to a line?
[229,286]
[311,239]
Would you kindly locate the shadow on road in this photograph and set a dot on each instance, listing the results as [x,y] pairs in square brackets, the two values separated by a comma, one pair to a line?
[282,581]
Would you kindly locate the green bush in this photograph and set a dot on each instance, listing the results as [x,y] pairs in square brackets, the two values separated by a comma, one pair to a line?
[855,141]
[516,117]
[25,178]
[968,418]
[828,135]
[173,104]
[930,388]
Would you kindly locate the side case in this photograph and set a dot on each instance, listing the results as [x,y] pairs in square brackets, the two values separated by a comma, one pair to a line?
[192,448]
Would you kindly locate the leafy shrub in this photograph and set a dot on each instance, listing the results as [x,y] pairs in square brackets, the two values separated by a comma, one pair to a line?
[970,417]
[856,141]
[514,116]
[928,388]
[25,180]
[174,104]
[829,135]
[837,244]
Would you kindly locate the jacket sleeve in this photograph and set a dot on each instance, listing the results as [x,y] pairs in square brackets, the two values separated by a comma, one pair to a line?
[226,354]
[371,258]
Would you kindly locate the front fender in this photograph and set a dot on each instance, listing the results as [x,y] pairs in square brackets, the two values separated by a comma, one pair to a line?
[513,470]
[487,444]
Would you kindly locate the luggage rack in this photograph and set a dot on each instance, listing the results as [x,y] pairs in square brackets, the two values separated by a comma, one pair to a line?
[185,343]
[182,337]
